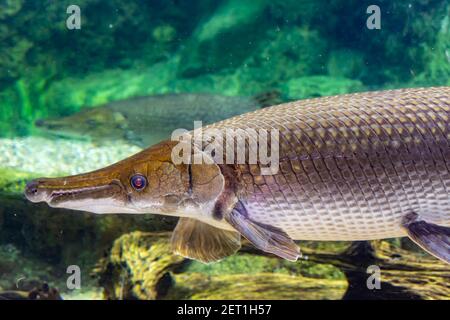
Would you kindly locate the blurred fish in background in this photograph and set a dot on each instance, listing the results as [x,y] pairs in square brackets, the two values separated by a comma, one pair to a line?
[146,120]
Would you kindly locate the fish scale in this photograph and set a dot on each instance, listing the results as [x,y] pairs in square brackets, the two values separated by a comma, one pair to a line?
[352,166]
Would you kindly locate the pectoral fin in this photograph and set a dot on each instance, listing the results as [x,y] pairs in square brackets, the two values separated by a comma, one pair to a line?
[432,238]
[200,241]
[264,237]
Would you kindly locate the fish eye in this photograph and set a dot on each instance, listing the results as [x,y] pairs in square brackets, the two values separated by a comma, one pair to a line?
[138,182]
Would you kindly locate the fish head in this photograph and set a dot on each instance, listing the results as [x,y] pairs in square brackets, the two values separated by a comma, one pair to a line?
[95,123]
[148,182]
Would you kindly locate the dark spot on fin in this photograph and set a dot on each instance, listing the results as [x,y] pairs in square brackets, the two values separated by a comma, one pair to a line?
[264,237]
[200,241]
[432,238]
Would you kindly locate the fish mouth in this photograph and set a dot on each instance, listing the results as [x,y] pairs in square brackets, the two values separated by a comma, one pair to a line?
[86,198]
[60,197]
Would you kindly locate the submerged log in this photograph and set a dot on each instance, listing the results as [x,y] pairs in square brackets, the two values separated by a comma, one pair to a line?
[138,266]
[404,274]
[259,286]
[142,266]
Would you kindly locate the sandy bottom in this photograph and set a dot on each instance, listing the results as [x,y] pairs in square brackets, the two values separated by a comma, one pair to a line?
[60,156]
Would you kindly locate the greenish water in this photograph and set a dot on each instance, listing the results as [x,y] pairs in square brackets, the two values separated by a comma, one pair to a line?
[124,49]
[294,48]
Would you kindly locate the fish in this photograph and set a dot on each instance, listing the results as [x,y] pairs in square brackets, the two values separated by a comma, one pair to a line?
[352,167]
[145,120]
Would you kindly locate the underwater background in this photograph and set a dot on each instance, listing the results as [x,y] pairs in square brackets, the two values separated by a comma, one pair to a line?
[269,51]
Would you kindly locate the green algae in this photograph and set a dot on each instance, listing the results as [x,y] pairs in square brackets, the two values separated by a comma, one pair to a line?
[12,181]
[318,86]
[70,94]
[438,68]
[228,47]
[351,69]
[259,286]
[248,264]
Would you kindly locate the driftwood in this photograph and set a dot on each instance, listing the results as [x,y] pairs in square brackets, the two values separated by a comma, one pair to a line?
[404,274]
[141,266]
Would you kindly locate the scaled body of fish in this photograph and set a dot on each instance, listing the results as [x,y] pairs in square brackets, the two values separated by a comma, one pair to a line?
[146,120]
[352,167]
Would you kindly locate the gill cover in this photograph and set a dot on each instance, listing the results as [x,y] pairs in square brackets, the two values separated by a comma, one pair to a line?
[199,240]
[217,188]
